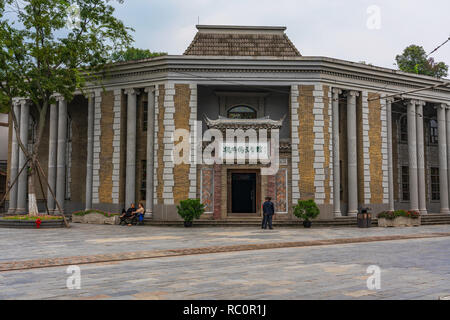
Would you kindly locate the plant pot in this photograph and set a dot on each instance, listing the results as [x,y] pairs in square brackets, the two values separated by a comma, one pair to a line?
[307,224]
[188,224]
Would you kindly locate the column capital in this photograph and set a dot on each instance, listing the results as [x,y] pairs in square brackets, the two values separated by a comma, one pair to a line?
[353,93]
[25,101]
[336,91]
[59,98]
[16,102]
[131,91]
[420,103]
[89,94]
[390,99]
[150,89]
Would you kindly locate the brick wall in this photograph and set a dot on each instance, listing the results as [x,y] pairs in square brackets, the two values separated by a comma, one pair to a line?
[305,147]
[181,119]
[106,153]
[376,159]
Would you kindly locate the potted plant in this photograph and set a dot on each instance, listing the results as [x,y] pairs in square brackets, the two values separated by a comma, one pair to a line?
[189,210]
[399,218]
[306,210]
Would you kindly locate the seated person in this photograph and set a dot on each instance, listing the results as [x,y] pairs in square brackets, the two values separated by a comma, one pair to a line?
[128,214]
[140,213]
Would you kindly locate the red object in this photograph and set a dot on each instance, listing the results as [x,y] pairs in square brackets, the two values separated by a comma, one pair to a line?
[38,223]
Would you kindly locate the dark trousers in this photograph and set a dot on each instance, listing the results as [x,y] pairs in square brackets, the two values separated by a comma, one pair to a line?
[267,219]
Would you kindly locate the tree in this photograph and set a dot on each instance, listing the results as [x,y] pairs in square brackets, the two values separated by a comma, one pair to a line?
[414,60]
[130,54]
[50,47]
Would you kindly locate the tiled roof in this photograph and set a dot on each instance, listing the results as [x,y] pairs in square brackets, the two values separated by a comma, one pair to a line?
[242,41]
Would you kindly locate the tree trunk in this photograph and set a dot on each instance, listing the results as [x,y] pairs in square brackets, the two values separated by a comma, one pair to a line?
[33,210]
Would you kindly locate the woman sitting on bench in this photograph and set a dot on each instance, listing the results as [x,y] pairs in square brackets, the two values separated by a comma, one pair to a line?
[127,216]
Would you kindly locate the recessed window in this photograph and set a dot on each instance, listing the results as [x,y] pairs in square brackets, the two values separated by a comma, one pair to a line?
[242,112]
[403,129]
[435,188]
[145,116]
[405,183]
[143,189]
[433,132]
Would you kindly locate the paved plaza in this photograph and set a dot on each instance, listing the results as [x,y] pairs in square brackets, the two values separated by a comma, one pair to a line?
[410,268]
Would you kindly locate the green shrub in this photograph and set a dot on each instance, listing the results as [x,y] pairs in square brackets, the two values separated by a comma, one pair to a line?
[306,210]
[190,209]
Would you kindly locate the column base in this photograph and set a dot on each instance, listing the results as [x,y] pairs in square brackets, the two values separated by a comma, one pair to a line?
[445,211]
[21,212]
[149,214]
[11,211]
[337,214]
[352,213]
[423,212]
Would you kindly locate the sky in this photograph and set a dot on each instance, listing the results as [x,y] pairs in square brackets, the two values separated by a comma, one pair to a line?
[354,30]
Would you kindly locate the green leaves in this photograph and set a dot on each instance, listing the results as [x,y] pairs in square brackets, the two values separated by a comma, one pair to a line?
[306,210]
[414,60]
[190,209]
[131,54]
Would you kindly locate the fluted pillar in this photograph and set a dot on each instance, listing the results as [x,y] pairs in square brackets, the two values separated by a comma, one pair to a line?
[61,154]
[336,163]
[14,170]
[130,183]
[443,169]
[150,151]
[390,155]
[352,154]
[421,158]
[52,156]
[90,152]
[23,178]
[412,156]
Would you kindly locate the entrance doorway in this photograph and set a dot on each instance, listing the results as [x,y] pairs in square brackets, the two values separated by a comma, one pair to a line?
[243,192]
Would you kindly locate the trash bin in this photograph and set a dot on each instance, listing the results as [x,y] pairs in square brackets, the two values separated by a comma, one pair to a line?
[364,218]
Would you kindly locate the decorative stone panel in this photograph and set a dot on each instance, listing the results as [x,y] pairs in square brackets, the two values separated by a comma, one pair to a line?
[207,189]
[319,129]
[384,150]
[281,191]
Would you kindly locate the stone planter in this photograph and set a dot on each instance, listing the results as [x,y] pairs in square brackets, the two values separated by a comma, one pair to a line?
[31,224]
[399,222]
[95,218]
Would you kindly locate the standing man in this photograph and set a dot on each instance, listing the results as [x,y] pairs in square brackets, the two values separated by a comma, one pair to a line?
[268,212]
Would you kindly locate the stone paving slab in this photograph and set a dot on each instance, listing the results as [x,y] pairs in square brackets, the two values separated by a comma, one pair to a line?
[323,272]
[139,255]
[84,240]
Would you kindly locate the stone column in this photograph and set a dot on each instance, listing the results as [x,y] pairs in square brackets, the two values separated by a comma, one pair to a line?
[52,156]
[412,156]
[336,164]
[352,154]
[14,170]
[443,169]
[421,158]
[390,156]
[447,129]
[61,155]
[130,184]
[90,151]
[23,178]
[150,151]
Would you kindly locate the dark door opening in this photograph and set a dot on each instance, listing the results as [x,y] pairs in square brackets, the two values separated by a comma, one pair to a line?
[243,192]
